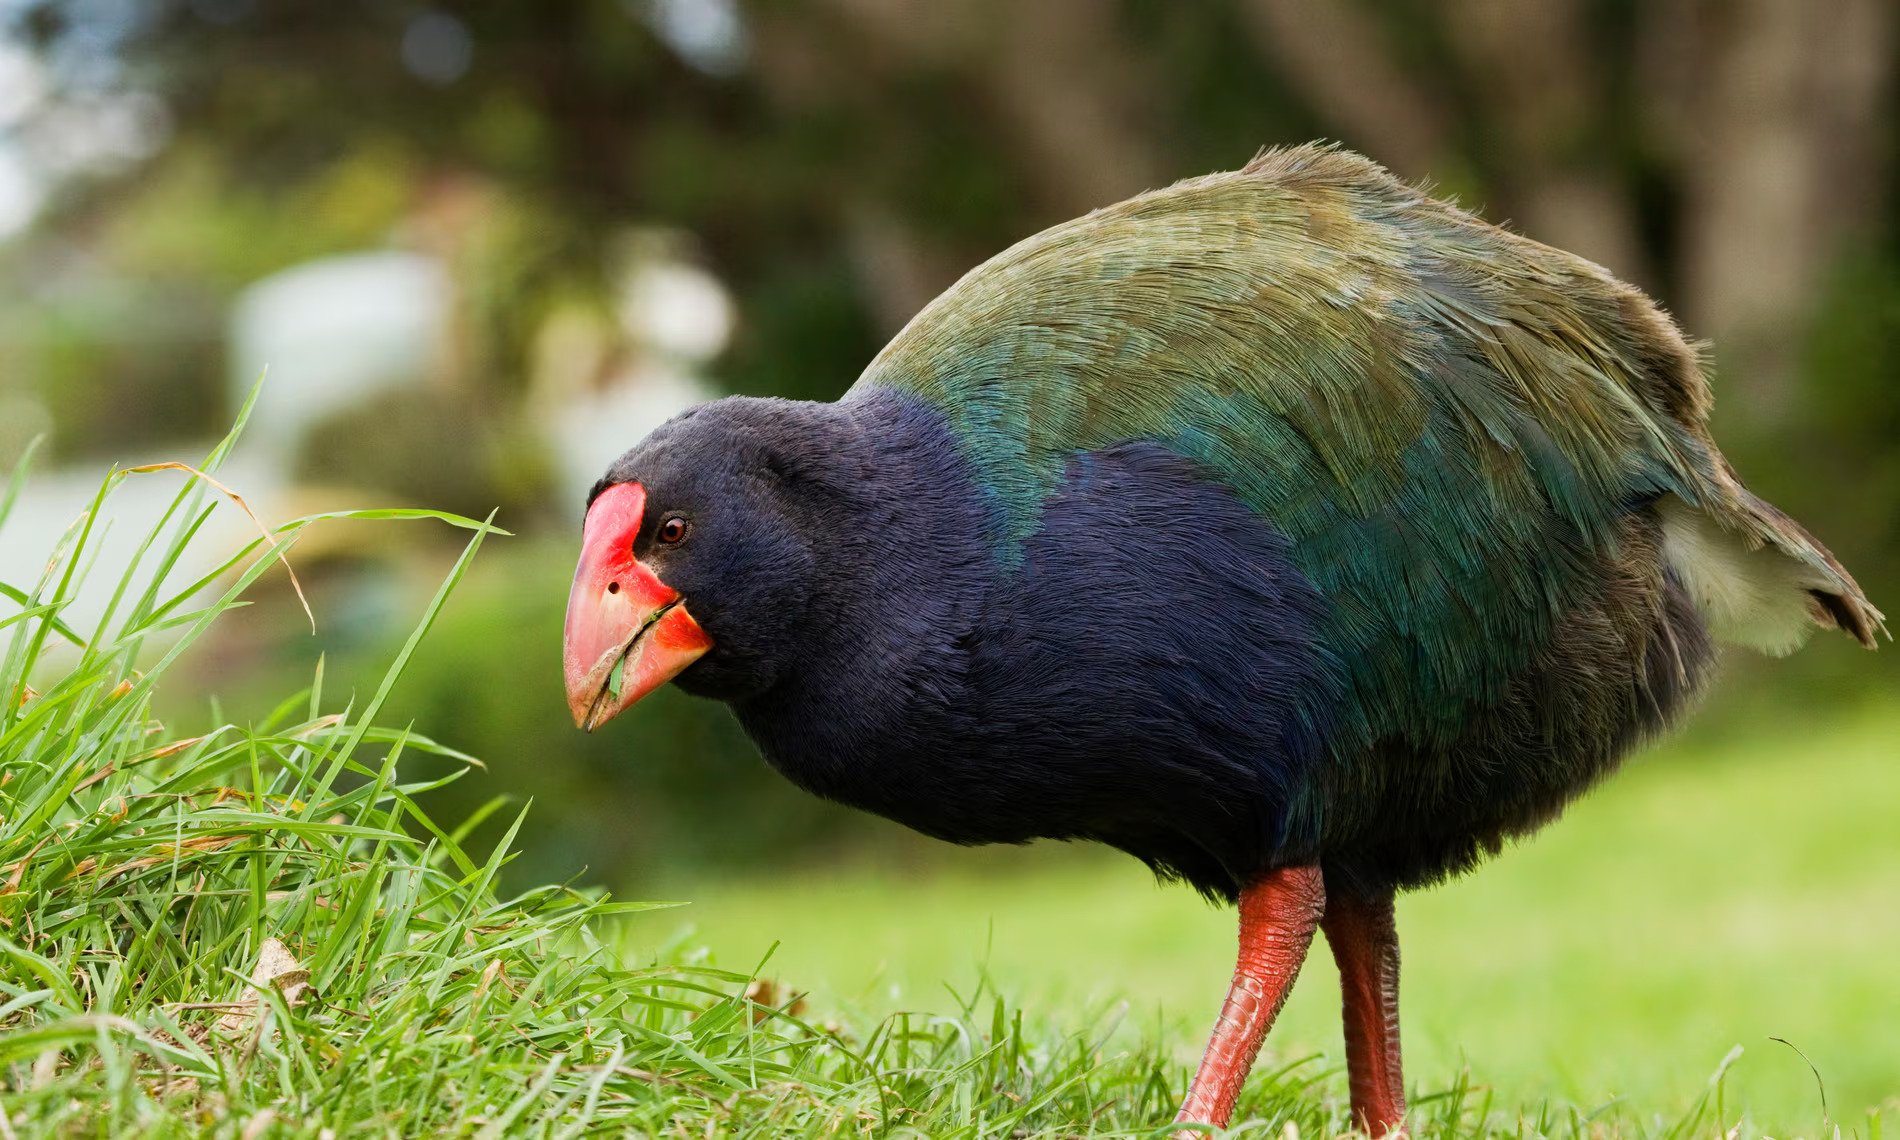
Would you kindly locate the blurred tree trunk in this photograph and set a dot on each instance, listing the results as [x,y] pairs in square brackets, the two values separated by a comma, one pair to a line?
[1545,94]
[1776,116]
[799,56]
[1767,114]
[1547,101]
[1073,99]
[900,269]
[1060,74]
[1341,59]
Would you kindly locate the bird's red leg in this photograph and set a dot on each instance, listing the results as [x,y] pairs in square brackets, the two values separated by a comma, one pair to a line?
[1278,915]
[1365,943]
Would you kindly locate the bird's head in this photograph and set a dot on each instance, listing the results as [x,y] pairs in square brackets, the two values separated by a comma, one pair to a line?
[695,563]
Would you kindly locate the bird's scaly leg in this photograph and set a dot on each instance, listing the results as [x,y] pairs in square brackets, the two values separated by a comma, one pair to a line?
[1365,943]
[1278,915]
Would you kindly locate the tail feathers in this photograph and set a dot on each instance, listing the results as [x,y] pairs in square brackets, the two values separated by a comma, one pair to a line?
[1758,578]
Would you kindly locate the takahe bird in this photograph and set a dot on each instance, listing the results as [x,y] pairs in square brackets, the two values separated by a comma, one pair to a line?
[1299,534]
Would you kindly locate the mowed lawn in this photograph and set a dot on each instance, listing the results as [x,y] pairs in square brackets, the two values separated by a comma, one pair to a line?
[1709,896]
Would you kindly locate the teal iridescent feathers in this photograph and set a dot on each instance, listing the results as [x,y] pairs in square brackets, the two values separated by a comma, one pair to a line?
[1450,422]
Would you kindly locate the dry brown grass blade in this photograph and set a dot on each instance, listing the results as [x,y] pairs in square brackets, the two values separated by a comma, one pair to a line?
[16,870]
[488,979]
[276,966]
[89,781]
[246,508]
[164,750]
[768,995]
[174,747]
[165,853]
[321,724]
[259,1124]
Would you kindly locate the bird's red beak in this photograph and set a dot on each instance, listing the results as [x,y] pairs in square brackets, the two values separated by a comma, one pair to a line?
[627,632]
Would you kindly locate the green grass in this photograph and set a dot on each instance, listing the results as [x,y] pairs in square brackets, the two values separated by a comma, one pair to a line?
[256,931]
[1709,896]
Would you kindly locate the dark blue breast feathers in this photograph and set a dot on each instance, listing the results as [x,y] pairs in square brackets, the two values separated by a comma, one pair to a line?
[1143,670]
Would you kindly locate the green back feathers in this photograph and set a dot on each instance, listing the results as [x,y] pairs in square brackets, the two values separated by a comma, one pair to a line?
[1314,290]
[1446,419]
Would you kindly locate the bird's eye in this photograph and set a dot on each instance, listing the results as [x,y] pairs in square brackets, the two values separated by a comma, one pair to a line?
[672,530]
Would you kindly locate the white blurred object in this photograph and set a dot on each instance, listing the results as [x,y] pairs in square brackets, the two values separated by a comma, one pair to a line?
[332,333]
[21,192]
[676,316]
[708,34]
[676,309]
[589,433]
[437,48]
[337,332]
[97,133]
[52,501]
[22,83]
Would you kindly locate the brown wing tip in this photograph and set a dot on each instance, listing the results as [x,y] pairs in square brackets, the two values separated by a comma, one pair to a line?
[1852,615]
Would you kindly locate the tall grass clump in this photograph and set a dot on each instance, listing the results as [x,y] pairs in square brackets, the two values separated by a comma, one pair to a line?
[256,931]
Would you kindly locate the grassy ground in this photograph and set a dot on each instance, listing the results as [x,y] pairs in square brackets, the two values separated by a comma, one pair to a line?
[1710,896]
[257,932]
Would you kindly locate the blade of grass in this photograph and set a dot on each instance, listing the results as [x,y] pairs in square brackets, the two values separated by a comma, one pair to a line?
[367,716]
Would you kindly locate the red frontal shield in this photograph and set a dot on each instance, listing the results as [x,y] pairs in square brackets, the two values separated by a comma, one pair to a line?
[627,632]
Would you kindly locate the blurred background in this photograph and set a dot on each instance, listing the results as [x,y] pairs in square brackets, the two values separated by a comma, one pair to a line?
[482,247]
